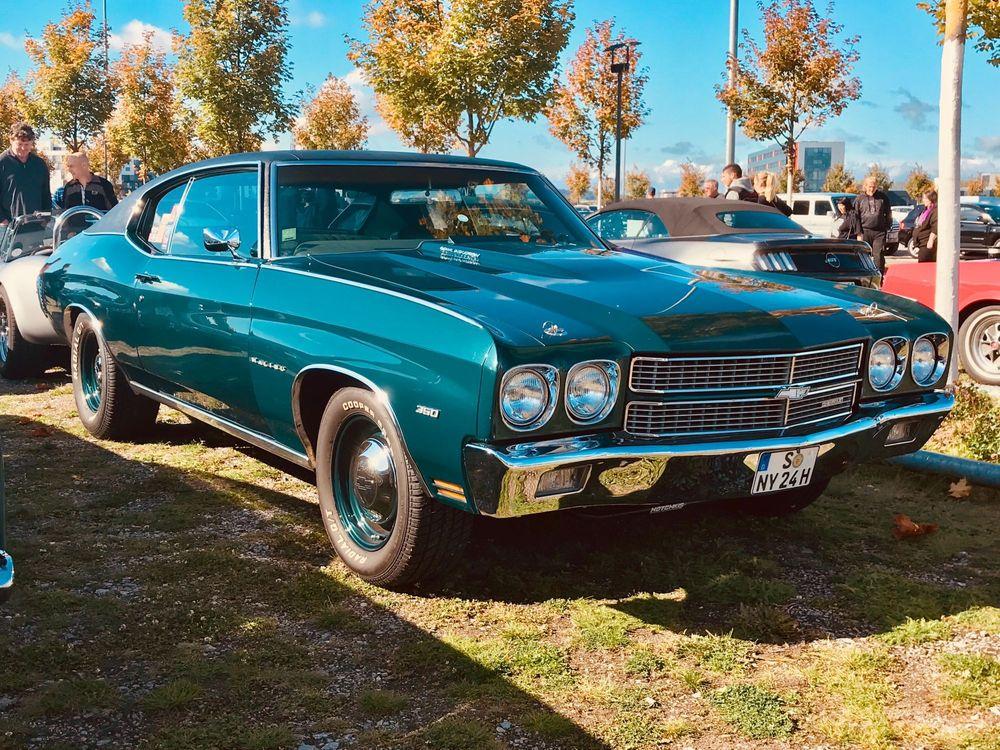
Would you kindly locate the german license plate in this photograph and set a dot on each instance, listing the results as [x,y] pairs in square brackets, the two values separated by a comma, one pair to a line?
[784,470]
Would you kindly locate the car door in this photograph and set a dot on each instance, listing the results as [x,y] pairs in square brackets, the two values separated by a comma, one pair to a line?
[974,227]
[193,304]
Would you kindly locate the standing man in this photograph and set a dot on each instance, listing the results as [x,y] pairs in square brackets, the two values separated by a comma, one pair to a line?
[738,187]
[710,189]
[86,188]
[651,193]
[875,215]
[24,177]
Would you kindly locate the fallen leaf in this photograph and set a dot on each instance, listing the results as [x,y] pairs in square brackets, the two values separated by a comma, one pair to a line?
[906,527]
[40,432]
[960,489]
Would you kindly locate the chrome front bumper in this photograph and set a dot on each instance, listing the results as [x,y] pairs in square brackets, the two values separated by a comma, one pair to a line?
[623,470]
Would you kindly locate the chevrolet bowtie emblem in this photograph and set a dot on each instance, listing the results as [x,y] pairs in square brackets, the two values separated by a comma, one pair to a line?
[793,392]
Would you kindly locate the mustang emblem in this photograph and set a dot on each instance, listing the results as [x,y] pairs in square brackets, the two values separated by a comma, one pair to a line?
[552,329]
[793,392]
[832,260]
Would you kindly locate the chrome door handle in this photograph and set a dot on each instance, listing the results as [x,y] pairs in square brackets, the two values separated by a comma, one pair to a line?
[146,278]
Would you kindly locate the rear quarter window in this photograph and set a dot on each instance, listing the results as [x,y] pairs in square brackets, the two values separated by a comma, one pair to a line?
[758,220]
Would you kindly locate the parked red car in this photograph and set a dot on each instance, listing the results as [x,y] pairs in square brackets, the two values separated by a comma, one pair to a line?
[978,305]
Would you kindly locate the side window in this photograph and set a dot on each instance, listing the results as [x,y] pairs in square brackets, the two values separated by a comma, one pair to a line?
[220,202]
[822,208]
[653,229]
[800,208]
[610,226]
[165,213]
[969,214]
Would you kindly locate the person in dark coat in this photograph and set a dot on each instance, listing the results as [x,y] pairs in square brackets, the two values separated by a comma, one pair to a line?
[738,187]
[925,229]
[875,214]
[24,177]
[766,186]
[850,225]
[86,188]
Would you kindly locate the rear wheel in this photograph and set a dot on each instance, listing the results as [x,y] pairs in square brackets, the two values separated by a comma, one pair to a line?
[106,404]
[913,250]
[380,520]
[18,358]
[979,345]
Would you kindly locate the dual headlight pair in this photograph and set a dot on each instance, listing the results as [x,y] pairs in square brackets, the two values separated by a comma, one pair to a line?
[529,393]
[928,359]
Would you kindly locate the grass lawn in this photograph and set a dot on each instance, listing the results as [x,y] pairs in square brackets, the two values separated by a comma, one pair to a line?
[181,594]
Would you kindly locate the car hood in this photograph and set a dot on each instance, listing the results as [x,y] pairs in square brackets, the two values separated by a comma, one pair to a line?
[530,297]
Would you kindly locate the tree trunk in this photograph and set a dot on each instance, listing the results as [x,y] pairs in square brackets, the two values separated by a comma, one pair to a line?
[600,185]
[789,169]
[949,153]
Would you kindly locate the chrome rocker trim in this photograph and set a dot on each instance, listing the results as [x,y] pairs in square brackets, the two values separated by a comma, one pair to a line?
[254,438]
[502,477]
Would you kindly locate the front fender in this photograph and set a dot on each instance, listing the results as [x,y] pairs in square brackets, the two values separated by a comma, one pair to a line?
[20,279]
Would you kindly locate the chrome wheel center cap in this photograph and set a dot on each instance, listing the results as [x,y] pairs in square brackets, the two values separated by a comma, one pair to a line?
[373,476]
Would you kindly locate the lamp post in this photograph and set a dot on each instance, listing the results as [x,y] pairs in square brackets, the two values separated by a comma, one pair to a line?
[107,77]
[734,25]
[618,67]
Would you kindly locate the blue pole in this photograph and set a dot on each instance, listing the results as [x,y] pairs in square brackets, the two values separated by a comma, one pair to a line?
[977,472]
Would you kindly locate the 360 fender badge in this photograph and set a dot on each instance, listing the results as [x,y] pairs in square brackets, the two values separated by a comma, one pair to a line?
[552,329]
[427,411]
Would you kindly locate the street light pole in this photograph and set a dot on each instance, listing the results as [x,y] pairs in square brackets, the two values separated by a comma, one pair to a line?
[619,68]
[107,79]
[734,23]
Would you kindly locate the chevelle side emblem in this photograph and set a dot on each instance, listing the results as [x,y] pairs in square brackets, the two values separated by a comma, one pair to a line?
[269,365]
[793,392]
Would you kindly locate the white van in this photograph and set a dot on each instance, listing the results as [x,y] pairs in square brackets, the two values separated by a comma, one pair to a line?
[818,213]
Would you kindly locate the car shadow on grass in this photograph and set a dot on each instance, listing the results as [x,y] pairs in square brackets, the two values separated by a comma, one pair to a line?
[189,609]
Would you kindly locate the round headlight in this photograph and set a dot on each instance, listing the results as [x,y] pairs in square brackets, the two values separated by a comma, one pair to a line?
[526,395]
[590,390]
[882,366]
[924,361]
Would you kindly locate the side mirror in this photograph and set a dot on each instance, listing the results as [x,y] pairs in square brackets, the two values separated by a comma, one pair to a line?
[221,240]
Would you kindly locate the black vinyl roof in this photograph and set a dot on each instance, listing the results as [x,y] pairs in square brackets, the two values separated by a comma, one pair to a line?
[695,217]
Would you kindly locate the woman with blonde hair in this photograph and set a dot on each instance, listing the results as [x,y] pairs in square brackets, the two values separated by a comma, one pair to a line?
[766,185]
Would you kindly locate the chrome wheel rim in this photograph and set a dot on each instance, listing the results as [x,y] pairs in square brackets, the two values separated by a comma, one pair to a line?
[985,339]
[91,371]
[365,488]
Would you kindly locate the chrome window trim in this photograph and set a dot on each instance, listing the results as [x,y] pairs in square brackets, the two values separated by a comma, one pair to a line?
[900,345]
[550,375]
[613,372]
[791,380]
[942,363]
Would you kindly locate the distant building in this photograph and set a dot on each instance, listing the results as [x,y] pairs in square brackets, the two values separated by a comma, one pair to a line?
[991,183]
[814,158]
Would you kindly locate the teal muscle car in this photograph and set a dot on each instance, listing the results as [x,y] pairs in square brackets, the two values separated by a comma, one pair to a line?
[440,337]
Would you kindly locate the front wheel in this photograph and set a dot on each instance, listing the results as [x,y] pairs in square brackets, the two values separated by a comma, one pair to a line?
[979,345]
[380,520]
[913,250]
[18,358]
[107,406]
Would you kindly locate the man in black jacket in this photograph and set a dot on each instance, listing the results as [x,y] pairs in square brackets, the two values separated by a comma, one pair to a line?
[24,177]
[86,188]
[875,215]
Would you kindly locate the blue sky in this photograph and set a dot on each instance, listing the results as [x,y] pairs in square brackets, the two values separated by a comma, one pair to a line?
[684,45]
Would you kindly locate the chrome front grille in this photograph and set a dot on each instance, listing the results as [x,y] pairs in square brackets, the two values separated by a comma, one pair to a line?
[665,419]
[693,374]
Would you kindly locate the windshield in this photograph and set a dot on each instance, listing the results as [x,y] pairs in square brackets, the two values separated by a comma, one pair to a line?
[26,235]
[759,220]
[362,208]
[993,211]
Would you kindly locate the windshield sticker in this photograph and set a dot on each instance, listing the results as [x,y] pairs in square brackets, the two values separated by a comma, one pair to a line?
[288,234]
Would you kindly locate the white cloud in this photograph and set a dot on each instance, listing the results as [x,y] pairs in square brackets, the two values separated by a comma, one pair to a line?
[314,19]
[9,40]
[133,32]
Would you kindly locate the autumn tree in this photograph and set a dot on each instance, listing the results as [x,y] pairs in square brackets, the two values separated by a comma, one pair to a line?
[606,187]
[12,99]
[882,179]
[331,119]
[149,121]
[68,92]
[917,181]
[637,184]
[839,180]
[983,25]
[98,146]
[444,74]
[233,65]
[799,78]
[692,179]
[578,182]
[975,186]
[583,110]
